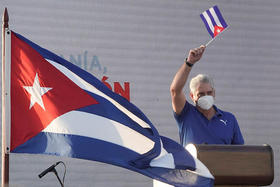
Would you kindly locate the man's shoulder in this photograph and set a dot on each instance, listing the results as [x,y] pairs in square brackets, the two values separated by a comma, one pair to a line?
[187,108]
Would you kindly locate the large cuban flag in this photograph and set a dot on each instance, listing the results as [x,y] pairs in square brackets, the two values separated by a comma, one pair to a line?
[59,109]
[214,21]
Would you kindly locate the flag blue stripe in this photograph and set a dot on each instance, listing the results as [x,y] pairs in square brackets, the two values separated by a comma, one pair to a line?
[219,15]
[70,146]
[207,26]
[211,18]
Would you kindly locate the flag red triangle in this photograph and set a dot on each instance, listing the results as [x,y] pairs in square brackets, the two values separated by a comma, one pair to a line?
[217,30]
[28,120]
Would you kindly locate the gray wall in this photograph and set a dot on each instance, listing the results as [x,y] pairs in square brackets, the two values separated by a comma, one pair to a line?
[144,43]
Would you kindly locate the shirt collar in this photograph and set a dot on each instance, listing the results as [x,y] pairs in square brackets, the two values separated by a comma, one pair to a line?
[218,111]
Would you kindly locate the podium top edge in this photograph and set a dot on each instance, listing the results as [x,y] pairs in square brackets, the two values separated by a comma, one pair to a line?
[219,147]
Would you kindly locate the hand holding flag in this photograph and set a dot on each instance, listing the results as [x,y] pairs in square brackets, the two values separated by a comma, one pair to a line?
[195,54]
[214,22]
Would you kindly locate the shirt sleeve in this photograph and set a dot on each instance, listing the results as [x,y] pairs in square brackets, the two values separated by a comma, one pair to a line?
[237,136]
[180,117]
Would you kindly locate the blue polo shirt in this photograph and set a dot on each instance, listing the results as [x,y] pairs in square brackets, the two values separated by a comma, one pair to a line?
[195,128]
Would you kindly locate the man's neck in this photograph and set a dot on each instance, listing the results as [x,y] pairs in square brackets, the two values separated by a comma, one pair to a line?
[207,113]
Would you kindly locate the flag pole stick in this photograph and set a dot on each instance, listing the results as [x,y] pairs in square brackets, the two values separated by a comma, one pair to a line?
[210,41]
[5,154]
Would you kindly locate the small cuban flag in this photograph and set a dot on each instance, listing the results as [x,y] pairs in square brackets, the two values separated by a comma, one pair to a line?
[213,21]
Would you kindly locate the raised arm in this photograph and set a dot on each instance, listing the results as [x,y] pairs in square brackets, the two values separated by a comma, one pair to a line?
[176,89]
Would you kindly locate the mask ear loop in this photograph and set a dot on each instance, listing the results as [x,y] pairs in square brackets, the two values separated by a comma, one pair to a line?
[191,96]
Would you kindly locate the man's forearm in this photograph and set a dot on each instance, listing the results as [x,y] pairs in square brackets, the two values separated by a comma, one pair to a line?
[180,79]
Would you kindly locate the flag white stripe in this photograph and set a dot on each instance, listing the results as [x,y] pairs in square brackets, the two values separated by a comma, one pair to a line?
[98,127]
[207,18]
[213,13]
[164,159]
[201,169]
[86,86]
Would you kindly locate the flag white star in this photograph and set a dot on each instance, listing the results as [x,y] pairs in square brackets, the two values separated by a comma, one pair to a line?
[36,92]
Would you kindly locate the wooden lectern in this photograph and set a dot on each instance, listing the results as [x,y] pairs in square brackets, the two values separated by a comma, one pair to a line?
[238,165]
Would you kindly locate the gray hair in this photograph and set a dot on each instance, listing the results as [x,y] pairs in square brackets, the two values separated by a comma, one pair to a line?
[200,78]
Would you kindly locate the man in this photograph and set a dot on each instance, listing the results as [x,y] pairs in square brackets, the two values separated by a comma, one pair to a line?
[203,122]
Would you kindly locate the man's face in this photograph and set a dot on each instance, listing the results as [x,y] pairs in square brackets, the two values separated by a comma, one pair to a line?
[202,90]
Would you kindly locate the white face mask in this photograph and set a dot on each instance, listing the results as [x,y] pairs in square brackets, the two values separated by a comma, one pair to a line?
[205,102]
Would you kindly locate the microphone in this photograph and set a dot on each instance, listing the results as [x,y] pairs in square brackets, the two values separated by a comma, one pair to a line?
[51,168]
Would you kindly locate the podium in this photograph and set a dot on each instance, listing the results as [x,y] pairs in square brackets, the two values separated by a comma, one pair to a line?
[238,165]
